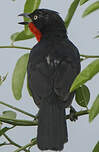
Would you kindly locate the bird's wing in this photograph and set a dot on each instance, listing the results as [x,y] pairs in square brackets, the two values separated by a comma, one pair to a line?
[39,80]
[64,77]
[67,71]
[45,78]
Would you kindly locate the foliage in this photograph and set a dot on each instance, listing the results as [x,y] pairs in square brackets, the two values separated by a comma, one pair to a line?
[94,111]
[82,91]
[87,74]
[82,96]
[19,76]
[96,149]
[93,7]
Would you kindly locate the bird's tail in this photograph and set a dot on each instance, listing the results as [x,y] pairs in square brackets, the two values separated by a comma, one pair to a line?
[52,128]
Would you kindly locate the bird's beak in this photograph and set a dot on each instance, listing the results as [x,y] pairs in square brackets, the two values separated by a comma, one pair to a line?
[27,15]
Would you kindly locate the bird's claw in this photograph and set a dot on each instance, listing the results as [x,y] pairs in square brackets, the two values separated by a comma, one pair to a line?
[73,116]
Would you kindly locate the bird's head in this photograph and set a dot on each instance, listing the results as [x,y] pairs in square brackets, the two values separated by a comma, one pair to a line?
[44,22]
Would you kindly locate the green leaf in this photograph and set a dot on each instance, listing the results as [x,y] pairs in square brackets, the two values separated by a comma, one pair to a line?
[9,114]
[29,7]
[29,91]
[2,131]
[97,36]
[19,36]
[96,148]
[19,76]
[94,111]
[91,70]
[82,96]
[83,1]
[71,12]
[93,7]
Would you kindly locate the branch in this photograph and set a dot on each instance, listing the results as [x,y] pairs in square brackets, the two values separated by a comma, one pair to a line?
[27,48]
[17,47]
[4,144]
[12,142]
[80,113]
[17,109]
[32,143]
[31,123]
[18,122]
[89,56]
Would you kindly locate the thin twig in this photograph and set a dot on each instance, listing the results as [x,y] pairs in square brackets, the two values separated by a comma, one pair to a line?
[18,122]
[12,142]
[17,109]
[80,113]
[89,56]
[4,144]
[17,47]
[34,141]
[27,48]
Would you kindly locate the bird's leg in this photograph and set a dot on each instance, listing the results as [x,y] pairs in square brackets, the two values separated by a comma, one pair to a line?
[73,117]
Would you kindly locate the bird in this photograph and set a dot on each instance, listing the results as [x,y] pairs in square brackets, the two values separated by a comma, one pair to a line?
[54,63]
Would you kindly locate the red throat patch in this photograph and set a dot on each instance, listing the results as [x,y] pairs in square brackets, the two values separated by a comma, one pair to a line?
[35,31]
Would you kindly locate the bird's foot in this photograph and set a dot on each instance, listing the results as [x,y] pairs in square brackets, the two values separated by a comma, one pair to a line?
[73,116]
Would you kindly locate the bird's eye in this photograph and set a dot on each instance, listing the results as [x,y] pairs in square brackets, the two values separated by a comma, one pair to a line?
[35,17]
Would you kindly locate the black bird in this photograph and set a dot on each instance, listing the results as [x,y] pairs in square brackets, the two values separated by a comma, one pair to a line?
[54,63]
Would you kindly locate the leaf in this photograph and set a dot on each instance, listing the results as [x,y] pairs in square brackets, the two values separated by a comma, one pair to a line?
[14,36]
[82,96]
[29,91]
[94,111]
[71,12]
[19,76]
[2,131]
[93,7]
[9,114]
[29,7]
[96,148]
[19,36]
[83,1]
[97,36]
[91,70]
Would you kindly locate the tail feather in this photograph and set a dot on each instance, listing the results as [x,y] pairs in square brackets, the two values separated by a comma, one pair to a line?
[52,128]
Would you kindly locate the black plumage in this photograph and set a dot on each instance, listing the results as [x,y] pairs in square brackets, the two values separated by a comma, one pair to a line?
[53,65]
